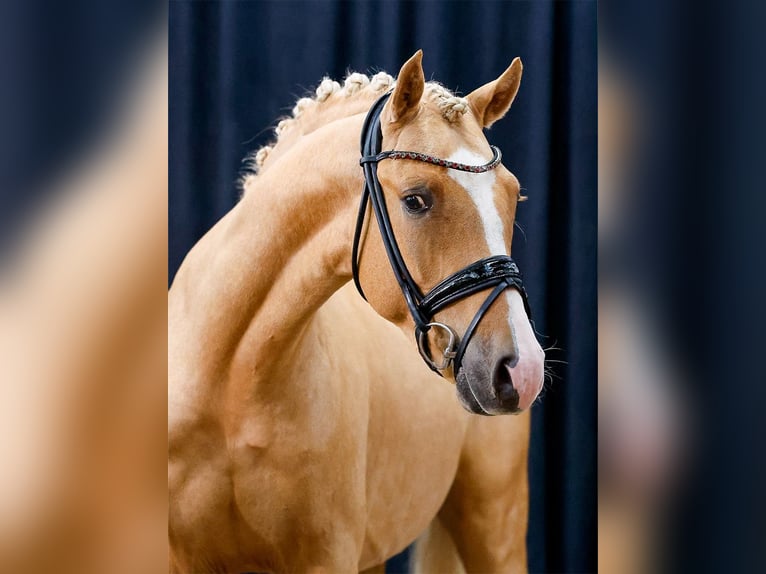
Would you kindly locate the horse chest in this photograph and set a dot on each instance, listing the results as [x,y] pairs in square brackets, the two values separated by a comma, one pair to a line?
[412,430]
[354,444]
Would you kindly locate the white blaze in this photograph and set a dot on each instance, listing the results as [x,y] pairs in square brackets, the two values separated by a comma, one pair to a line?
[480,188]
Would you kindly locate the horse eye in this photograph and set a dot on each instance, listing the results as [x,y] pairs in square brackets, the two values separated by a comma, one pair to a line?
[415,204]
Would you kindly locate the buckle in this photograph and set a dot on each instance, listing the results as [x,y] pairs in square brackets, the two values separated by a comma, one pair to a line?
[449,352]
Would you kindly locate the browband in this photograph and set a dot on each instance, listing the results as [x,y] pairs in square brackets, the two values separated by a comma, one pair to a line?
[497,157]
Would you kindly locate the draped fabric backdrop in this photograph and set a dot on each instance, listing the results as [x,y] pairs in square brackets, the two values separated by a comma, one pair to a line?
[235,67]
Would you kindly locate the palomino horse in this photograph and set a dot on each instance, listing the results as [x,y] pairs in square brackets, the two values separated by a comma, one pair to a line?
[306,434]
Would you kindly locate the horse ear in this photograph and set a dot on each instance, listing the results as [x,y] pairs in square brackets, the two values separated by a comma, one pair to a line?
[492,100]
[409,89]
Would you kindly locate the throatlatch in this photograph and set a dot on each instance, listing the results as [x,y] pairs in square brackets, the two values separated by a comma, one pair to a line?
[498,272]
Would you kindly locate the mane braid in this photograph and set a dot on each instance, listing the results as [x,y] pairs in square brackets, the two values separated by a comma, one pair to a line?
[330,95]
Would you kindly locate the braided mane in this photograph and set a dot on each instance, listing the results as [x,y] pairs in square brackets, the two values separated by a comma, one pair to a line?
[332,101]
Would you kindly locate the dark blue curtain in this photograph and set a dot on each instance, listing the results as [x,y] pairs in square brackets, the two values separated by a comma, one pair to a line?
[236,66]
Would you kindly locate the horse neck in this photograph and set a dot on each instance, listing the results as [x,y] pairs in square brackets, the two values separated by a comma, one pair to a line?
[282,252]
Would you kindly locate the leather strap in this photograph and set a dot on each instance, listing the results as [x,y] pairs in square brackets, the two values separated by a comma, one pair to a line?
[478,276]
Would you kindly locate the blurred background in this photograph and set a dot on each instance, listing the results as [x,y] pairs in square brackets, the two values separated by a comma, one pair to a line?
[83,287]
[681,285]
[237,67]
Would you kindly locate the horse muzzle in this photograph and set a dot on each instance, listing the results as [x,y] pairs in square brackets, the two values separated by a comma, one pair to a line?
[500,383]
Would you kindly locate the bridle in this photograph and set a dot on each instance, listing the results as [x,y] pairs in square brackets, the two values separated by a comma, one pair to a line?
[498,272]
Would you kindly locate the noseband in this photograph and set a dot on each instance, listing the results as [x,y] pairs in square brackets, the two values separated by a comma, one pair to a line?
[498,272]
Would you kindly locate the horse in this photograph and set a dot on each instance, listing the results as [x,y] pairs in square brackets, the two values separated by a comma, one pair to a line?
[306,432]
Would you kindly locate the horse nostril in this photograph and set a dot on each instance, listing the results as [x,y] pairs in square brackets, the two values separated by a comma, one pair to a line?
[503,384]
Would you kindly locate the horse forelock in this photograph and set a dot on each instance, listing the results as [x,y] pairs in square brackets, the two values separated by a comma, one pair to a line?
[331,95]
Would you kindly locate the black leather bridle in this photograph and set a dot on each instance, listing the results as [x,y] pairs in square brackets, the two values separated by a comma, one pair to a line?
[498,272]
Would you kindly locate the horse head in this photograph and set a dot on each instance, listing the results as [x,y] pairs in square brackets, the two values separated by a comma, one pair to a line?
[449,210]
